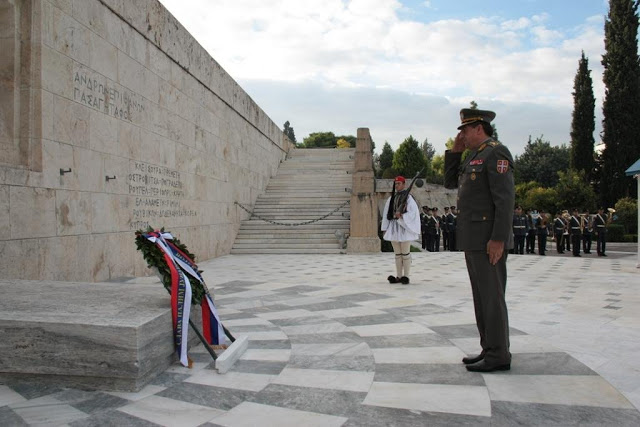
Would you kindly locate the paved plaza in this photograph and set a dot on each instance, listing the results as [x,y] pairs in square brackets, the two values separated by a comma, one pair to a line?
[333,344]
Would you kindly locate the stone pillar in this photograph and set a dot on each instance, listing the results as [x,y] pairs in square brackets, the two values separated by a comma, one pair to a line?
[363,237]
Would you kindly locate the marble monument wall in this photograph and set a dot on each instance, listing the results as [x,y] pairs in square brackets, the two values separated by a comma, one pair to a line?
[112,118]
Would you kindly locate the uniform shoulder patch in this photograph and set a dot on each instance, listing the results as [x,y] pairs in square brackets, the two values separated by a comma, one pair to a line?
[502,166]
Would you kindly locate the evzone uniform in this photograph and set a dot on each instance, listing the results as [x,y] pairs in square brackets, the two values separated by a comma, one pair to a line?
[401,232]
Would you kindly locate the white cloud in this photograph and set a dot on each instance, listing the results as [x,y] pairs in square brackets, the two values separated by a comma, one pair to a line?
[365,44]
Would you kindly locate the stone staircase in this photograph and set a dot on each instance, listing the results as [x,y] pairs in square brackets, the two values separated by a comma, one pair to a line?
[309,184]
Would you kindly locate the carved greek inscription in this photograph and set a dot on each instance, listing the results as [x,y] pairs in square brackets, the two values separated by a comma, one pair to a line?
[97,92]
[158,192]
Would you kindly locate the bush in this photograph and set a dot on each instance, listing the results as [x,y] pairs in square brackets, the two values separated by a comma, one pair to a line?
[627,214]
[615,233]
[630,238]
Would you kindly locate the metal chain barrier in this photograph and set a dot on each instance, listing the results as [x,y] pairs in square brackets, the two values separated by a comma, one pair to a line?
[294,224]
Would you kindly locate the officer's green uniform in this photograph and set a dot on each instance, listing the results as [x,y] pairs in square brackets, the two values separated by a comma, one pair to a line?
[486,196]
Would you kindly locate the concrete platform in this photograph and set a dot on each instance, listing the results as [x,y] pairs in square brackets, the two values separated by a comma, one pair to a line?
[331,343]
[109,336]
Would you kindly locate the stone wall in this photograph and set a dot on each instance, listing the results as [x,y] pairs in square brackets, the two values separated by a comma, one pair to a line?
[112,118]
[431,195]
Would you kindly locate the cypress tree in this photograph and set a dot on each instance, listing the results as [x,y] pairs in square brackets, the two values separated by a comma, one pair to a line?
[583,123]
[621,124]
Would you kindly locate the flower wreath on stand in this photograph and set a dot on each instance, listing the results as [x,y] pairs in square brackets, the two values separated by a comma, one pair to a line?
[182,279]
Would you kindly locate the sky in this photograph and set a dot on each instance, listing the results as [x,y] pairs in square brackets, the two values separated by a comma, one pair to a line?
[407,67]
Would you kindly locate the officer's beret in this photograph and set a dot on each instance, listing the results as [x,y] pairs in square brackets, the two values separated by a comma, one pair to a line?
[469,116]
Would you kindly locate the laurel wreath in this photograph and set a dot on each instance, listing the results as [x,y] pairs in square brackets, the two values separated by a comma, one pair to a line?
[155,259]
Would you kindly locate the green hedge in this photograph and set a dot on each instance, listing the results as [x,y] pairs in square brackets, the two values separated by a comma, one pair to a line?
[615,233]
[630,238]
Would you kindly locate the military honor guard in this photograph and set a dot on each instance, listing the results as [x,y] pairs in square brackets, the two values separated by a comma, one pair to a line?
[445,229]
[559,226]
[600,221]
[451,226]
[587,232]
[423,225]
[542,232]
[401,224]
[436,243]
[486,196]
[575,230]
[519,230]
[531,233]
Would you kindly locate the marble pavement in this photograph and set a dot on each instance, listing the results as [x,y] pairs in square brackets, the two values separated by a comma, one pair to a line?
[331,343]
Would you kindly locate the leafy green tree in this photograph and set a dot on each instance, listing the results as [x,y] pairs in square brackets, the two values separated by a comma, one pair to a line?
[408,158]
[522,190]
[288,130]
[437,170]
[620,126]
[342,143]
[386,158]
[583,123]
[541,162]
[320,140]
[349,138]
[541,198]
[627,213]
[428,150]
[574,192]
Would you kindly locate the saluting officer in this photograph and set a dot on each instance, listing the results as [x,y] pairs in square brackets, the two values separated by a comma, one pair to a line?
[486,196]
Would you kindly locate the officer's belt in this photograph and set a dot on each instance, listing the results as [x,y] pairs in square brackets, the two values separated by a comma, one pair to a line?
[575,228]
[518,226]
[600,226]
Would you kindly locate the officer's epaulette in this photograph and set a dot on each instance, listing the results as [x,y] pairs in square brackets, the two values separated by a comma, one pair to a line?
[493,143]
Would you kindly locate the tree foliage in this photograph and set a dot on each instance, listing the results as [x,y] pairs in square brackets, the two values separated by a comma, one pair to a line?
[627,213]
[541,162]
[320,140]
[541,199]
[408,158]
[288,130]
[583,120]
[342,143]
[620,126]
[574,192]
[385,158]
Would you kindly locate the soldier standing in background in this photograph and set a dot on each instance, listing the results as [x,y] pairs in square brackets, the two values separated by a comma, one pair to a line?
[575,231]
[436,244]
[451,226]
[486,196]
[600,226]
[445,230]
[424,217]
[432,232]
[586,233]
[558,230]
[519,230]
[541,231]
[531,233]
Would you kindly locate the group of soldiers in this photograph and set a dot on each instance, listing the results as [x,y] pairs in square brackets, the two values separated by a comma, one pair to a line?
[433,226]
[572,231]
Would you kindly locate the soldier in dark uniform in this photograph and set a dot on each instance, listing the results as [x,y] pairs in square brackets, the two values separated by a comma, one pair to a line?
[432,232]
[575,231]
[541,231]
[436,243]
[531,234]
[451,226]
[587,231]
[519,230]
[558,231]
[486,196]
[600,227]
[445,229]
[423,225]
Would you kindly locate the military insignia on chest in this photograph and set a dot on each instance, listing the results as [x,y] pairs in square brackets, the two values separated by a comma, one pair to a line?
[476,162]
[473,176]
[503,166]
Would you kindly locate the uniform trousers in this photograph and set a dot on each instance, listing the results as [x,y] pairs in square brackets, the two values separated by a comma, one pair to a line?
[559,242]
[445,240]
[575,242]
[586,242]
[488,285]
[601,244]
[518,245]
[531,241]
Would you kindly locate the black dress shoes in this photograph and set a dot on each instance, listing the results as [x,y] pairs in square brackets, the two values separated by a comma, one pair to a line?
[483,366]
[404,280]
[393,279]
[472,359]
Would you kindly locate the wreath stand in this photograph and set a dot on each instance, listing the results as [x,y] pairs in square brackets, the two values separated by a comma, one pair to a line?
[156,259]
